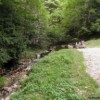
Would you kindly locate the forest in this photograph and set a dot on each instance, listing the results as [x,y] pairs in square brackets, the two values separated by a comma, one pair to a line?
[34,24]
[32,27]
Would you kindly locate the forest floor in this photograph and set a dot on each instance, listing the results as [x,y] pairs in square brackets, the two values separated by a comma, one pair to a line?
[92,60]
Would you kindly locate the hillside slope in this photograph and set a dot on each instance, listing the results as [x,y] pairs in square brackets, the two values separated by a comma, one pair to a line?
[93,43]
[59,76]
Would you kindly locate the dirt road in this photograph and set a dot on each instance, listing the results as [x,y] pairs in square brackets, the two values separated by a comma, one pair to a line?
[92,60]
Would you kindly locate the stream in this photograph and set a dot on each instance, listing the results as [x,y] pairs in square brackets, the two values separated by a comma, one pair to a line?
[13,80]
[14,77]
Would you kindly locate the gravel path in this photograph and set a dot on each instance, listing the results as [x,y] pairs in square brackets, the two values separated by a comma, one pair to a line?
[92,59]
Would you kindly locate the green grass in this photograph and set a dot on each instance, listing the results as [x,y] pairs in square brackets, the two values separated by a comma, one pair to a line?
[59,76]
[2,80]
[93,43]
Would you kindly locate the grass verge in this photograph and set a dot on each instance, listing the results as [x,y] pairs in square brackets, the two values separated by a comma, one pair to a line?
[59,76]
[93,43]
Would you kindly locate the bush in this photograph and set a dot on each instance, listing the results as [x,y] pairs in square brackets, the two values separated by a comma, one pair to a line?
[11,47]
[12,39]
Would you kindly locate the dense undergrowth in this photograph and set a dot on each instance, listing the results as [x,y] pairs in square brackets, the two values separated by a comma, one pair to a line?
[59,76]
